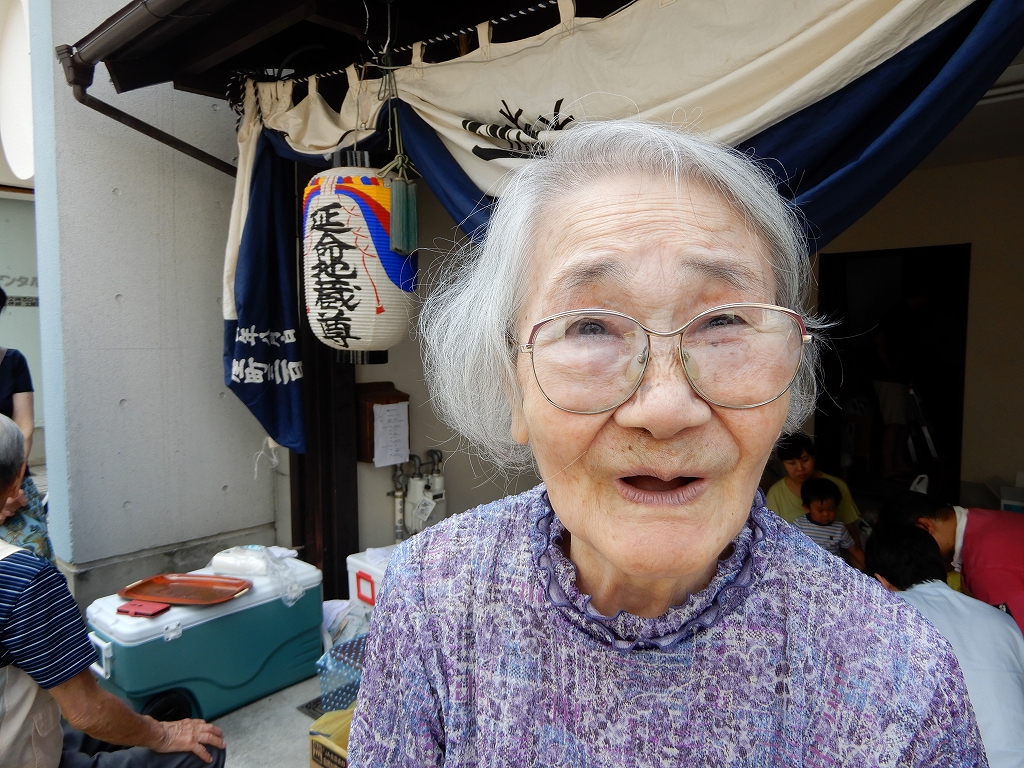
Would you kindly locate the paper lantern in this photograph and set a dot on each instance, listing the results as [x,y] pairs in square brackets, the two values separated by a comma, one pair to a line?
[357,289]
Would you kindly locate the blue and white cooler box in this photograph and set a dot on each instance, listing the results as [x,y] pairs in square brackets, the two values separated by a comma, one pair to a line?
[203,661]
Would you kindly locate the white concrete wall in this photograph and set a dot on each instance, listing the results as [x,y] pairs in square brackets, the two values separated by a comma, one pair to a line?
[468,481]
[148,453]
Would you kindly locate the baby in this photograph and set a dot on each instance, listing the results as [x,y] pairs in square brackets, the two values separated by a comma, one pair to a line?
[820,497]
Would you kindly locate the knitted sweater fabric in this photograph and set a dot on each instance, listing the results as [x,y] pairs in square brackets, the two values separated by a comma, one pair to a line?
[482,652]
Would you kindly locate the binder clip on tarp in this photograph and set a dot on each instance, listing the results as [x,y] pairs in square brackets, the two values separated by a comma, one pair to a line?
[257,560]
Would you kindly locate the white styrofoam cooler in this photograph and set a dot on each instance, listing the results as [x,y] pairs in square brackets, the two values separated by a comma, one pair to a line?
[364,578]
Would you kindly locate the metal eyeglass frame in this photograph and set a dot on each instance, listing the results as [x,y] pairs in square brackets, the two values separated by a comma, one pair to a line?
[805,338]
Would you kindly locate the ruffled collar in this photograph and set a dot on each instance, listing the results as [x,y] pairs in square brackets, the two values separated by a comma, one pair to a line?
[624,631]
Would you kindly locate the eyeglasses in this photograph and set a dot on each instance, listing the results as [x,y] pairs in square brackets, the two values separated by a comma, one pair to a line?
[735,356]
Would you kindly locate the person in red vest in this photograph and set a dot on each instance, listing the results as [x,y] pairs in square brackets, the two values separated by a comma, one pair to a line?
[986,546]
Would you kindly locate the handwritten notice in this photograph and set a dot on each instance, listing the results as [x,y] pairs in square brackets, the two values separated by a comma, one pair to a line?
[390,434]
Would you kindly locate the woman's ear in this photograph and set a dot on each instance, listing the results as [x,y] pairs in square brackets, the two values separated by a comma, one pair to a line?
[520,432]
[514,395]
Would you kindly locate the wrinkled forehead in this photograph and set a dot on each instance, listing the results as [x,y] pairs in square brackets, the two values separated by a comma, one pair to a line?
[649,245]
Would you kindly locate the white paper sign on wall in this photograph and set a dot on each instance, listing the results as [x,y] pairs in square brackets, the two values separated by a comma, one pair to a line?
[390,434]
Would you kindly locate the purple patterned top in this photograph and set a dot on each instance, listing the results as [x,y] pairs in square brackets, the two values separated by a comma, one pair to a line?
[482,652]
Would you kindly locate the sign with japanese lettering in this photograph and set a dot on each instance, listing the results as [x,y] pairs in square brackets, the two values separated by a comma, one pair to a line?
[277,370]
[357,288]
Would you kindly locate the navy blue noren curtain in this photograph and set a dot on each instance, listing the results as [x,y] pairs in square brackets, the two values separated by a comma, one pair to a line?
[262,354]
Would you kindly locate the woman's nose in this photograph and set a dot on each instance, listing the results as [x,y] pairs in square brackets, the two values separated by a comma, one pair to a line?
[665,404]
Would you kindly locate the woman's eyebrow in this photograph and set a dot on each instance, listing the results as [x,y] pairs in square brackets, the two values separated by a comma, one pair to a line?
[573,278]
[735,275]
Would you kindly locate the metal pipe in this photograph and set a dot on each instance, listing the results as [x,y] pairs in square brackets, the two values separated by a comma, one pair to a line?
[400,534]
[398,480]
[152,131]
[436,461]
[79,76]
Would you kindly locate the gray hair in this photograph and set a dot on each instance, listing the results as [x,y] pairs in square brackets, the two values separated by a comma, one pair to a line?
[12,451]
[468,322]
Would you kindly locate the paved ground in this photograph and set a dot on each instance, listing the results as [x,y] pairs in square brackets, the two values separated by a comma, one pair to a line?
[271,732]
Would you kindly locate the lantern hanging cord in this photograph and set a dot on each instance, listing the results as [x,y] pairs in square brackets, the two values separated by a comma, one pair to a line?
[388,92]
[401,164]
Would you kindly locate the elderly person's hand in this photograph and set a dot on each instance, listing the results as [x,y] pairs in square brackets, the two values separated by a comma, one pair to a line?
[633,324]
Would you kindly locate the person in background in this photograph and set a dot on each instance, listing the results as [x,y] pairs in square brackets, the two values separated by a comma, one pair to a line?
[44,672]
[796,452]
[16,393]
[821,498]
[988,645]
[985,546]
[23,516]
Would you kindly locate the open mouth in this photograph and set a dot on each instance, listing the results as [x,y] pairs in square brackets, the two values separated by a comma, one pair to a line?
[649,483]
[650,489]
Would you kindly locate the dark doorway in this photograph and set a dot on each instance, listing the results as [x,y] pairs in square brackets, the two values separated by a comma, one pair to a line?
[898,349]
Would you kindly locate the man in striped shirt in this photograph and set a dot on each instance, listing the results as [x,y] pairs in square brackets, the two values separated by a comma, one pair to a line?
[44,672]
[821,499]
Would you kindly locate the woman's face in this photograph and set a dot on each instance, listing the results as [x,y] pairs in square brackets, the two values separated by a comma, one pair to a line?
[800,469]
[657,487]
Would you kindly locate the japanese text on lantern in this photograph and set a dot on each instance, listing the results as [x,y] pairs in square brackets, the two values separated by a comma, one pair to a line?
[334,277]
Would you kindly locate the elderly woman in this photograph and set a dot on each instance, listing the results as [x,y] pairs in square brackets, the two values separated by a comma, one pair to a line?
[632,326]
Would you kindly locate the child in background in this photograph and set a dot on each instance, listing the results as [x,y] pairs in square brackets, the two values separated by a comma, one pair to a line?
[821,498]
[796,452]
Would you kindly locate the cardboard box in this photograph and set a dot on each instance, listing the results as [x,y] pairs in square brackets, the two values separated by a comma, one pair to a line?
[328,739]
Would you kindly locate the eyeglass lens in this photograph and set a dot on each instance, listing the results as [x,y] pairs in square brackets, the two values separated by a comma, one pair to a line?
[589,362]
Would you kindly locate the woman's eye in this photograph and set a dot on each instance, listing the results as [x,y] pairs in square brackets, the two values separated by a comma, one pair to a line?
[588,327]
[722,321]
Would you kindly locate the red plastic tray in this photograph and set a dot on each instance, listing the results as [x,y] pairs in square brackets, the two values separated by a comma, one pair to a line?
[187,589]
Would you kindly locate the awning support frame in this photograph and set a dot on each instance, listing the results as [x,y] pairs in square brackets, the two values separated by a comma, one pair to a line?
[79,75]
